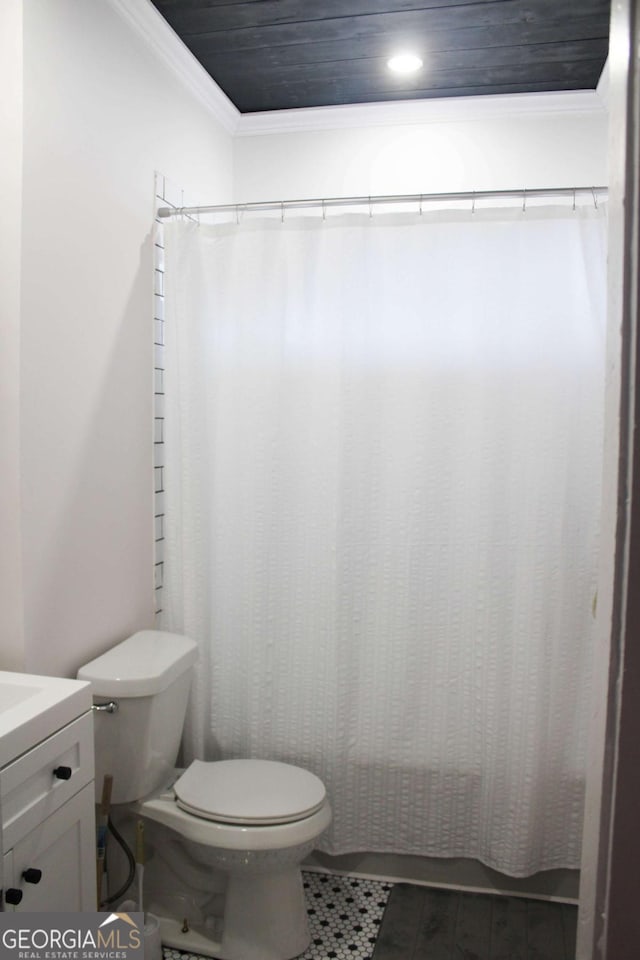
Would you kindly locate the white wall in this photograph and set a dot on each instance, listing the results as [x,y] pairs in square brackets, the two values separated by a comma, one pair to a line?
[488,144]
[11,635]
[101,113]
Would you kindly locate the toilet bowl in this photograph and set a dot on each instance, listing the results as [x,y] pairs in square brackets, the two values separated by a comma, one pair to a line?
[255,820]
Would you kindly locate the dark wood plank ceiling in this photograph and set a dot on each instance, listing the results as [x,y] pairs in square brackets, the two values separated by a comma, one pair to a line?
[280,54]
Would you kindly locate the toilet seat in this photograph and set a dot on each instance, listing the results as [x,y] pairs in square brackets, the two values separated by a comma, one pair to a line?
[249,792]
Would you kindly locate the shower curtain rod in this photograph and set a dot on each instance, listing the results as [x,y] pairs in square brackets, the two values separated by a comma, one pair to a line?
[419,198]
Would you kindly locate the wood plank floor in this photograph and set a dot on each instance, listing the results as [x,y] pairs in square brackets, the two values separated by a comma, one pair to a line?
[422,923]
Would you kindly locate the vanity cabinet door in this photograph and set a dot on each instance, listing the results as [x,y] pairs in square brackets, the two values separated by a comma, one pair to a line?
[54,865]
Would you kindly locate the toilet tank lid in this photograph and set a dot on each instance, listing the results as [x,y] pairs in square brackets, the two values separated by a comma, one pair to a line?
[141,665]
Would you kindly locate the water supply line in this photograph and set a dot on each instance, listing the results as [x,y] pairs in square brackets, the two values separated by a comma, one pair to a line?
[130,860]
[140,863]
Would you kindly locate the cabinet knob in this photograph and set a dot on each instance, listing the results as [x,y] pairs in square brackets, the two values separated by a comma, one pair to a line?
[63,773]
[32,875]
[13,896]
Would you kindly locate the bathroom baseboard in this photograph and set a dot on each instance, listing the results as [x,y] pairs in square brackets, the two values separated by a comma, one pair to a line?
[561,886]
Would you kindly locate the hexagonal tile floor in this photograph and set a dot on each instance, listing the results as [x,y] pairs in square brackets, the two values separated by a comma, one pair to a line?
[344,917]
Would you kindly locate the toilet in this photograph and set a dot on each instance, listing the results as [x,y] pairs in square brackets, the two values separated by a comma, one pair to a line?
[255,820]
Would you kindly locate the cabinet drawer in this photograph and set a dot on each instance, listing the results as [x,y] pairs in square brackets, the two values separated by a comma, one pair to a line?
[29,789]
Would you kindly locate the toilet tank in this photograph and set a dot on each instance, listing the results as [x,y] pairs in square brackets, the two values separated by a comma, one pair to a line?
[149,675]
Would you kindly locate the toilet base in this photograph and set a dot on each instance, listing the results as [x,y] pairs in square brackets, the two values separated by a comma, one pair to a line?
[265,918]
[173,935]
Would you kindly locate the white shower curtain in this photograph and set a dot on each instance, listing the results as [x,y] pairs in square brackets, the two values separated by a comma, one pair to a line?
[383,472]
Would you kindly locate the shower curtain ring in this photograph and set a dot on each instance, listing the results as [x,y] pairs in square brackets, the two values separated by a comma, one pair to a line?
[574,200]
[473,202]
[324,210]
[282,213]
[420,205]
[370,209]
[595,198]
[524,201]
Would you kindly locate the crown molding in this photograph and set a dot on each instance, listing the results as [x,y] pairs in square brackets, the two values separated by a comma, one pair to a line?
[401,112]
[151,27]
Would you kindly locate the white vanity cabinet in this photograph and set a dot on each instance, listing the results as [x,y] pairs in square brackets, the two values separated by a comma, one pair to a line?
[47,821]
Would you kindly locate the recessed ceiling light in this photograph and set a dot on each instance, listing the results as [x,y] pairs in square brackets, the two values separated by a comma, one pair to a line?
[404,63]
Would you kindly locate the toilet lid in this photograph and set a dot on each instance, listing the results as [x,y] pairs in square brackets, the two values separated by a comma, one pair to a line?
[251,792]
